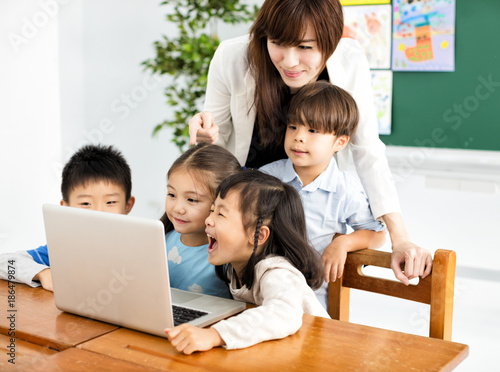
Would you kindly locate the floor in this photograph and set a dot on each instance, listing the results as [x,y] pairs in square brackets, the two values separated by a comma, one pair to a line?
[476,316]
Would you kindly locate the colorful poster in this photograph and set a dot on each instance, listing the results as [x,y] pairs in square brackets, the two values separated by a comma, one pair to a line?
[371,26]
[364,2]
[423,35]
[382,96]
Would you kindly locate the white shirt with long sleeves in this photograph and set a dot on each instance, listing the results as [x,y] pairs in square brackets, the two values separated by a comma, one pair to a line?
[25,267]
[230,96]
[283,297]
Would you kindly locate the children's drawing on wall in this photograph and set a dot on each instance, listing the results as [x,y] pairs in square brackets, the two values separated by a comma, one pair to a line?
[382,96]
[371,26]
[423,35]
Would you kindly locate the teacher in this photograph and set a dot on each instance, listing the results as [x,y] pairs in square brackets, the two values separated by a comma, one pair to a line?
[252,78]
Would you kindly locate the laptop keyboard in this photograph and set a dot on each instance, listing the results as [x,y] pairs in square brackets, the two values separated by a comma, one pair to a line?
[184,315]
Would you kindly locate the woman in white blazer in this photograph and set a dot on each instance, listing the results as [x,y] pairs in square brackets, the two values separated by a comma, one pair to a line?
[251,79]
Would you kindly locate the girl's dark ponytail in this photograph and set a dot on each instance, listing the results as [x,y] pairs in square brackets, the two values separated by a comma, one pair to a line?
[265,200]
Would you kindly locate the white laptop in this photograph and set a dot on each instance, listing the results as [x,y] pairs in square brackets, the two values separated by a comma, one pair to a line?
[113,268]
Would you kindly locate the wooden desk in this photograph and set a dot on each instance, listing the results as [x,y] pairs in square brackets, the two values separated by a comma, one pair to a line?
[27,354]
[37,320]
[320,345]
[77,360]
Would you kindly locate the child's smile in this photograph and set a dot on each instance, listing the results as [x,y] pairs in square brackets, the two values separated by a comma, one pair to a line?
[212,243]
[180,221]
[310,150]
[228,238]
[187,206]
[298,152]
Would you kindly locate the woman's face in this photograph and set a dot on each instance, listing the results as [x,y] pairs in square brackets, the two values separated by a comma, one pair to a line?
[297,65]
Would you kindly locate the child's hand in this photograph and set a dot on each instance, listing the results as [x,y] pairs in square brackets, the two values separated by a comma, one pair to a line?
[45,279]
[187,338]
[333,259]
[335,253]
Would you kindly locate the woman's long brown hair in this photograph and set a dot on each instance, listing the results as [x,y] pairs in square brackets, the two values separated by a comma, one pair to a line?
[286,22]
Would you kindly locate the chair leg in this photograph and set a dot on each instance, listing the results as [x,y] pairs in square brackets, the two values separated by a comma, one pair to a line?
[338,301]
[442,291]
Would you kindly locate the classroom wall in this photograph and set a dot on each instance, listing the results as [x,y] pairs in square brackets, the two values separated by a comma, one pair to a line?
[30,120]
[75,78]
[102,46]
[451,199]
[454,110]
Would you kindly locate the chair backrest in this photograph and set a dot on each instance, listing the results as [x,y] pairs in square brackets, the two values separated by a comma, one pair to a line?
[436,289]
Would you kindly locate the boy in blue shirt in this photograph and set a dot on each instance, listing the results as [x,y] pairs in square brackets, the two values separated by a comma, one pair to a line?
[96,177]
[321,119]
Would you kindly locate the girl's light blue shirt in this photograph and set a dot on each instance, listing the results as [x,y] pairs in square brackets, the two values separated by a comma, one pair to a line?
[189,269]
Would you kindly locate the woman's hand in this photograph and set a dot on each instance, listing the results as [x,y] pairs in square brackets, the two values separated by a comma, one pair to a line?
[202,128]
[418,261]
[187,338]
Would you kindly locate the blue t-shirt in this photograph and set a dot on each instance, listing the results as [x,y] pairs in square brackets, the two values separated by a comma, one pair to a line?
[189,269]
[40,255]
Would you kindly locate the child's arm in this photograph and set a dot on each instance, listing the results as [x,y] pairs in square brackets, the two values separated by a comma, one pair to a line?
[283,296]
[187,338]
[368,232]
[45,279]
[25,268]
[335,253]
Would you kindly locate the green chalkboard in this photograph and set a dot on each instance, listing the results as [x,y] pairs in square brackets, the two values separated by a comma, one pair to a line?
[460,109]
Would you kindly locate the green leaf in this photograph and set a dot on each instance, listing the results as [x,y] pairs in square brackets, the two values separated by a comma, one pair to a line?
[186,56]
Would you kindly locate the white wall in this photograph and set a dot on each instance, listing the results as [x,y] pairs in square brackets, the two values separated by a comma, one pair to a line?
[30,124]
[106,97]
[64,65]
[451,200]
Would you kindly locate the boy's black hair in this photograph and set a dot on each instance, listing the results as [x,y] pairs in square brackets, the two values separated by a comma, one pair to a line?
[94,163]
[265,200]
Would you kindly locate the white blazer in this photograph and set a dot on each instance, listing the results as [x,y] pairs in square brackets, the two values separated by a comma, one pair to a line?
[230,95]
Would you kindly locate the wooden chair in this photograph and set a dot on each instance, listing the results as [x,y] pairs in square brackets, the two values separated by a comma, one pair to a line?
[436,289]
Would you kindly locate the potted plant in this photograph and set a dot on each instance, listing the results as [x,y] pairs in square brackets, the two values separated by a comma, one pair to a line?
[186,57]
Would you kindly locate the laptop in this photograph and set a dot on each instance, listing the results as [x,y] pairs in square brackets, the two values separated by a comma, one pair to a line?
[113,268]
